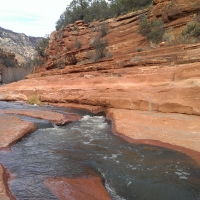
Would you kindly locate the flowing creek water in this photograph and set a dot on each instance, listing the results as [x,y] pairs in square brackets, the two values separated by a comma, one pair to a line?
[131,171]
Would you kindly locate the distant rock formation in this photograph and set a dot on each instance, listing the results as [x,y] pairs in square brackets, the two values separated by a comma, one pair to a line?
[21,45]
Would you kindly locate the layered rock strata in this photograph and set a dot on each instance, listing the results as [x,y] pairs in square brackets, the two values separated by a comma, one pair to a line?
[173,9]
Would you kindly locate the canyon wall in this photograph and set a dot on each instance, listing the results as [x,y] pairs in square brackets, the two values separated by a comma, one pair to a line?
[21,45]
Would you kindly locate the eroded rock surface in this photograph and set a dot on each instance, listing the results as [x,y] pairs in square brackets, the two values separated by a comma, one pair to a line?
[173,9]
[54,117]
[84,188]
[13,129]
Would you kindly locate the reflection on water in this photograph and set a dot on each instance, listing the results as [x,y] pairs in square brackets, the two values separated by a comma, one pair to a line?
[131,172]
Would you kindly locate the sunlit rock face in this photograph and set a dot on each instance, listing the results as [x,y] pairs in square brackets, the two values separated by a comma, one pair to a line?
[21,45]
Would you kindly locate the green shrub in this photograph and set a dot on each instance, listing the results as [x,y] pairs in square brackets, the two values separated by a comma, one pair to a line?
[153,30]
[41,46]
[38,62]
[9,62]
[192,29]
[144,25]
[35,62]
[75,28]
[89,10]
[77,44]
[189,28]
[60,63]
[103,29]
[72,59]
[99,44]
[100,47]
[197,31]
[157,31]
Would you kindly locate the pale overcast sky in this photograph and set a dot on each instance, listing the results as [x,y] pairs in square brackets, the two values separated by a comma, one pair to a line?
[32,17]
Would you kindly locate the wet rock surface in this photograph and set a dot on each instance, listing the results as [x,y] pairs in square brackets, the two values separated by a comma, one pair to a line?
[67,155]
[55,118]
[84,188]
[179,98]
[13,129]
[177,131]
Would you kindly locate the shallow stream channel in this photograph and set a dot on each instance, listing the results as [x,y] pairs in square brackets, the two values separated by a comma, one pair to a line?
[131,171]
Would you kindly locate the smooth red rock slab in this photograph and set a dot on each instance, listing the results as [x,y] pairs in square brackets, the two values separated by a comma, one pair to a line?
[5,193]
[13,97]
[178,131]
[84,188]
[93,109]
[54,117]
[12,129]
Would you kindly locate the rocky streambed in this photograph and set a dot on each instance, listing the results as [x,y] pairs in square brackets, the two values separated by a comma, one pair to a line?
[85,160]
[150,92]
